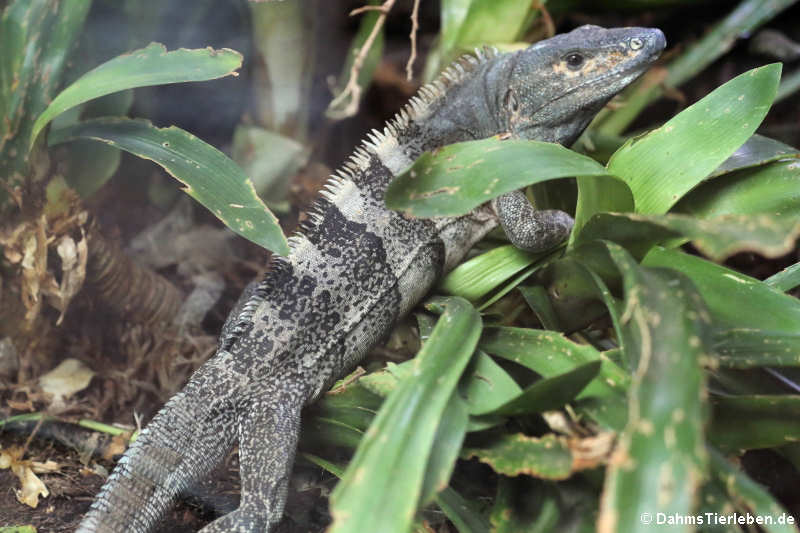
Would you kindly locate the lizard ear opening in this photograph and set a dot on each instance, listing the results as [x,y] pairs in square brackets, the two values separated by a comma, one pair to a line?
[510,101]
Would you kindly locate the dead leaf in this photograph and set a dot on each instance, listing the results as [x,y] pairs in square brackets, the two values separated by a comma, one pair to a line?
[65,380]
[31,486]
[73,273]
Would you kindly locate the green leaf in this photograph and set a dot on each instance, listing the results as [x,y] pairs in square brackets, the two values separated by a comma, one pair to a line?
[35,39]
[749,348]
[659,460]
[786,279]
[755,152]
[151,65]
[548,457]
[482,274]
[457,178]
[549,393]
[663,165]
[751,422]
[461,512]
[766,189]
[550,353]
[490,21]
[745,491]
[207,174]
[320,431]
[353,405]
[597,195]
[734,300]
[486,386]
[383,483]
[539,301]
[444,453]
[328,466]
[718,237]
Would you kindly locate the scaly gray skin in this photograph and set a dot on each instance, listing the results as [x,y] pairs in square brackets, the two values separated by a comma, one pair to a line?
[354,269]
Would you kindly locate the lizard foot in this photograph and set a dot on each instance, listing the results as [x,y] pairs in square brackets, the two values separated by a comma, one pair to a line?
[526,227]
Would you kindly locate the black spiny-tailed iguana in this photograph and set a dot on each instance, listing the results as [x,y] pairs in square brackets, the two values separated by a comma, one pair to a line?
[354,269]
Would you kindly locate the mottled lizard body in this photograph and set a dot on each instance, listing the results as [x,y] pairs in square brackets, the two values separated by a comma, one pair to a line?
[354,269]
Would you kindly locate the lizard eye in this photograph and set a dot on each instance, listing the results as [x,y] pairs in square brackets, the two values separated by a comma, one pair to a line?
[511,102]
[574,61]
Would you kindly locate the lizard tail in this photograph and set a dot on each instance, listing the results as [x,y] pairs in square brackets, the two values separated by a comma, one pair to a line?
[173,451]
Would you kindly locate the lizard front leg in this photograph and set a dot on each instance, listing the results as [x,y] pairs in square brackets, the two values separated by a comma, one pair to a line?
[528,228]
[268,427]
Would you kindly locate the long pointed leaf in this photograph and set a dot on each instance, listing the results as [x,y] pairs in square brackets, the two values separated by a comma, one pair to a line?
[208,175]
[383,483]
[663,165]
[151,65]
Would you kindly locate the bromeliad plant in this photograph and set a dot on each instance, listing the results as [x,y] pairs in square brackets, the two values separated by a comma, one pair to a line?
[639,417]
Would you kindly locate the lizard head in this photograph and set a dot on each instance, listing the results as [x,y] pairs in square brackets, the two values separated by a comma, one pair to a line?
[555,87]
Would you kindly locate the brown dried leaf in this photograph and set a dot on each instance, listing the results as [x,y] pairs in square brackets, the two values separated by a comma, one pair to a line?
[32,486]
[65,380]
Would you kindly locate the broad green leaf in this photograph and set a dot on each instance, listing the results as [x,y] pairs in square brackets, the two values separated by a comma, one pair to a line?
[745,491]
[482,274]
[491,21]
[718,237]
[457,178]
[549,393]
[550,353]
[383,483]
[659,459]
[548,457]
[749,348]
[152,65]
[486,385]
[734,300]
[17,529]
[466,24]
[765,189]
[750,422]
[207,174]
[599,194]
[755,152]
[663,165]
